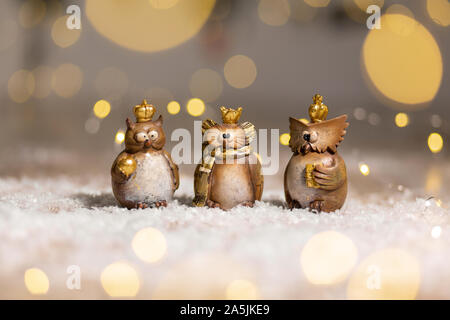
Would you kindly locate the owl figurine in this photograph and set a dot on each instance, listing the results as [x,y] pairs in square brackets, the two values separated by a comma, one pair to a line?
[230,173]
[144,175]
[315,176]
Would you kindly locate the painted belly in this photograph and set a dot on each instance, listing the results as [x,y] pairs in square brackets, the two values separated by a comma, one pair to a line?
[151,182]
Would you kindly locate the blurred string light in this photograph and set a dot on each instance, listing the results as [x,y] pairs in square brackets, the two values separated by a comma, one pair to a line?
[285,138]
[401,120]
[439,11]
[433,182]
[120,137]
[92,125]
[436,232]
[43,81]
[31,13]
[173,107]
[21,86]
[364,169]
[436,121]
[317,3]
[301,12]
[62,36]
[435,142]
[111,83]
[240,71]
[391,274]
[163,4]
[195,107]
[274,12]
[120,279]
[328,257]
[8,33]
[149,245]
[402,60]
[67,80]
[242,290]
[36,281]
[138,25]
[206,84]
[102,108]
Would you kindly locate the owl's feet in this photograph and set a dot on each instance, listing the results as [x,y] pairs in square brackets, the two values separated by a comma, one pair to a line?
[141,205]
[294,204]
[212,204]
[162,203]
[316,206]
[249,204]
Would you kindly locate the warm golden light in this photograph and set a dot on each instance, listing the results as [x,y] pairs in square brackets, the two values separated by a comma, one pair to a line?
[285,138]
[21,86]
[274,12]
[36,281]
[328,257]
[62,36]
[435,142]
[401,120]
[317,3]
[402,60]
[120,279]
[439,11]
[242,290]
[357,9]
[240,71]
[67,80]
[364,169]
[391,274]
[43,81]
[148,25]
[120,137]
[434,181]
[206,84]
[31,13]
[149,245]
[173,107]
[102,108]
[195,107]
[400,20]
[111,83]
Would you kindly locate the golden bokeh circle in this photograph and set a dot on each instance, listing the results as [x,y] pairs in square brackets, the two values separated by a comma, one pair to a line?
[391,274]
[173,107]
[274,12]
[62,36]
[328,257]
[285,138]
[206,84]
[36,281]
[120,279]
[163,4]
[435,142]
[149,245]
[120,137]
[21,86]
[102,108]
[401,120]
[137,25]
[240,71]
[31,13]
[195,107]
[364,169]
[439,11]
[67,80]
[404,64]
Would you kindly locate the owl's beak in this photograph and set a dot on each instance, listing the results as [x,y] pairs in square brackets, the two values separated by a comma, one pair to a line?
[306,147]
[147,144]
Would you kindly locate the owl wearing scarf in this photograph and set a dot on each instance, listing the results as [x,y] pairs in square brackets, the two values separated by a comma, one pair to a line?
[315,177]
[230,173]
[144,175]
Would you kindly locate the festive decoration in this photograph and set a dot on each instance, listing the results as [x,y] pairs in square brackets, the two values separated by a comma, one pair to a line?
[316,176]
[144,174]
[230,173]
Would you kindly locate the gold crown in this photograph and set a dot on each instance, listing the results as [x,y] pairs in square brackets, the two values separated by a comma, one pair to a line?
[144,111]
[318,111]
[230,115]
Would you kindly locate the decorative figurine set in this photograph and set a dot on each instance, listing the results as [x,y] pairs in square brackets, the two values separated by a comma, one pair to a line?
[144,175]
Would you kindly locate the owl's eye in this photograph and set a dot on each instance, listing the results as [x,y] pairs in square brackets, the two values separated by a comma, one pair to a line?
[313,137]
[306,136]
[153,135]
[141,137]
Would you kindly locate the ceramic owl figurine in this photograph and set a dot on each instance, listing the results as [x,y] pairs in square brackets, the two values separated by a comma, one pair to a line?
[230,173]
[144,175]
[316,176]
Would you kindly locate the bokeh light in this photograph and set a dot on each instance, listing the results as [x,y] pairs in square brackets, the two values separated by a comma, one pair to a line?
[436,121]
[43,81]
[328,257]
[21,86]
[206,84]
[163,4]
[111,83]
[435,142]
[138,26]
[391,274]
[102,108]
[120,279]
[149,245]
[31,13]
[356,9]
[439,11]
[120,137]
[433,183]
[195,107]
[62,36]
[274,12]
[240,71]
[242,289]
[285,138]
[67,80]
[436,232]
[364,169]
[401,120]
[317,3]
[403,61]
[173,107]
[36,281]
[92,125]
[400,20]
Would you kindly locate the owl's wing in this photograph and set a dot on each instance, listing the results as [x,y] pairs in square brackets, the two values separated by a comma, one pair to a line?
[207,124]
[250,132]
[330,133]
